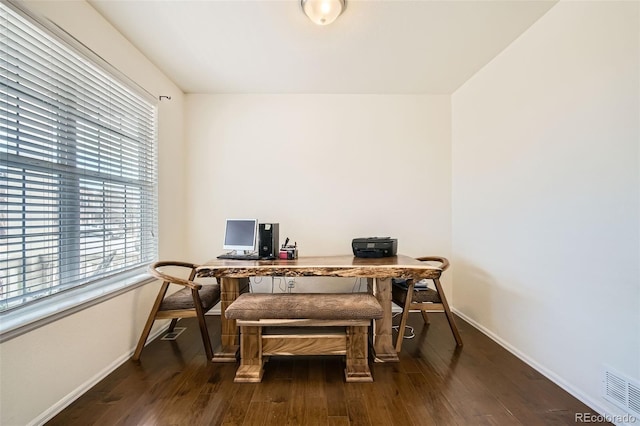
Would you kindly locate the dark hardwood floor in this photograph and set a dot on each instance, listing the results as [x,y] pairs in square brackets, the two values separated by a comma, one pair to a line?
[433,384]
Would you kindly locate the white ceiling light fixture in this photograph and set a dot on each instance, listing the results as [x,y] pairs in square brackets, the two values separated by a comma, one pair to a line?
[323,12]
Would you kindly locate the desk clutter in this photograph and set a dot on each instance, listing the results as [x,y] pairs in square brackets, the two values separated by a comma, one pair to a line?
[288,251]
[249,240]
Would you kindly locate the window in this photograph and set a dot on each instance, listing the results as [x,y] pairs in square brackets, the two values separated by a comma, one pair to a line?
[77,167]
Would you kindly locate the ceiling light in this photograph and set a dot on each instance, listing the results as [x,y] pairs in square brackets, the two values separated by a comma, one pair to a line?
[323,12]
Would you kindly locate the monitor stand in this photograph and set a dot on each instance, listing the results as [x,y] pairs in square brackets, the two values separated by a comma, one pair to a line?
[241,252]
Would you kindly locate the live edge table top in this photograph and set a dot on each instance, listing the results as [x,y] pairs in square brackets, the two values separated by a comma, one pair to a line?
[234,276]
[399,266]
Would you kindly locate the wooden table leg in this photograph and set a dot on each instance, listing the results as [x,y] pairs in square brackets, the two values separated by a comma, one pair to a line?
[251,367]
[357,355]
[383,350]
[230,289]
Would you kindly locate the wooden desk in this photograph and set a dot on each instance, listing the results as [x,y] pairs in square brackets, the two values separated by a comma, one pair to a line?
[234,280]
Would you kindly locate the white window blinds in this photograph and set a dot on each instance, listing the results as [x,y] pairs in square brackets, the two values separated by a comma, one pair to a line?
[78,167]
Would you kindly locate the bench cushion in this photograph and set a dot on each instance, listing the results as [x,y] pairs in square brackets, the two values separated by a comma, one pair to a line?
[327,306]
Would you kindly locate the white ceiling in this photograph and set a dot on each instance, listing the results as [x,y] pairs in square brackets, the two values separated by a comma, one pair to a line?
[270,46]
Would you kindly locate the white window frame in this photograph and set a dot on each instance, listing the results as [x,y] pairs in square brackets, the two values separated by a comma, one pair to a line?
[36,313]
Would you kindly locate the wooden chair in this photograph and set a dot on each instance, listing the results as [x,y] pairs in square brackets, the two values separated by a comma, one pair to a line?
[193,300]
[424,299]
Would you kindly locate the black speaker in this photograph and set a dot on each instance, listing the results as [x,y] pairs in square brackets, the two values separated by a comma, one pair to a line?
[268,238]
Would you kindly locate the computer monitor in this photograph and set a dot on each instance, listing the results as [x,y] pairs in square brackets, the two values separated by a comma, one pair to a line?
[241,235]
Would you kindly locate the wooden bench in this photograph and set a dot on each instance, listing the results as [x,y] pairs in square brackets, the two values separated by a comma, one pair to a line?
[304,324]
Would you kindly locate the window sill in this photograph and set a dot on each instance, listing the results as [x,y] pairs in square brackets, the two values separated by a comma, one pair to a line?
[21,320]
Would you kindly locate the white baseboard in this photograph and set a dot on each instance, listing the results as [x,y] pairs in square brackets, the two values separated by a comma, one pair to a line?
[80,390]
[595,405]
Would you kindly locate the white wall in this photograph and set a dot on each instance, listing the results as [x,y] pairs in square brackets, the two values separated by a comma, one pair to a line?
[46,368]
[545,191]
[545,195]
[327,168]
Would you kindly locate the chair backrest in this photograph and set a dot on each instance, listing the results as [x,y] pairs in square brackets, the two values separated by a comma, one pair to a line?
[155,269]
[444,262]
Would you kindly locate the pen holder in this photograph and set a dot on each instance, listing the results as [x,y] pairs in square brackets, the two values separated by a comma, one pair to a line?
[288,252]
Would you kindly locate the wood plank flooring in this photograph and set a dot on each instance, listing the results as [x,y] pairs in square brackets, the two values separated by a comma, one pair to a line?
[435,383]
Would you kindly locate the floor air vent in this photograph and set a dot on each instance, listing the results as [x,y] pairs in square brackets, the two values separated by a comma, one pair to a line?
[634,398]
[622,392]
[173,335]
